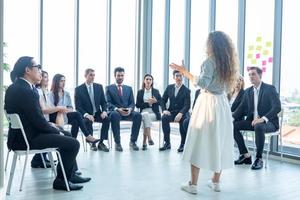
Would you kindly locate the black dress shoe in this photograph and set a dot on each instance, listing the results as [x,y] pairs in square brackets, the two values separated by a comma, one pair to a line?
[258,164]
[144,147]
[102,147]
[150,142]
[59,184]
[40,165]
[243,160]
[165,147]
[78,179]
[118,147]
[133,146]
[180,148]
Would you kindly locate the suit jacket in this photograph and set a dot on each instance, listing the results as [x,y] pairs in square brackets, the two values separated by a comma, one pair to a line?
[83,103]
[142,105]
[20,99]
[181,103]
[237,100]
[268,104]
[115,101]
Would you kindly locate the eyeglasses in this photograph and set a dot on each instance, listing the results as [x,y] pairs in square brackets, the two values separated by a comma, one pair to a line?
[178,75]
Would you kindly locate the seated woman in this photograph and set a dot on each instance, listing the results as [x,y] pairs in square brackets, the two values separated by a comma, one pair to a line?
[236,96]
[148,101]
[59,97]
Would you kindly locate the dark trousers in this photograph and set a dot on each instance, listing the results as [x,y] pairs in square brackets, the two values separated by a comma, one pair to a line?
[104,128]
[68,148]
[186,122]
[259,129]
[115,118]
[166,119]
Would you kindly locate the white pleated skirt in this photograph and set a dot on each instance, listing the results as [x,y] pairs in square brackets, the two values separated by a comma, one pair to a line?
[209,143]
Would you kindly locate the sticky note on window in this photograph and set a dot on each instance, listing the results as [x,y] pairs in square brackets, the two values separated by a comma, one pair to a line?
[257,55]
[265,52]
[258,48]
[253,62]
[258,39]
[269,44]
[251,47]
[264,69]
[264,62]
[270,59]
[250,56]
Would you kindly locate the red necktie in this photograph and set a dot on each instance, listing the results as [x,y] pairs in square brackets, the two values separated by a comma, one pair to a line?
[120,90]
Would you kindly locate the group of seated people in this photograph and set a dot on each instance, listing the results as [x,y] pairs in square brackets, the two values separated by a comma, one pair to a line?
[46,112]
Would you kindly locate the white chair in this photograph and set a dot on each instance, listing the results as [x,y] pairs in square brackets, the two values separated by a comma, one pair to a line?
[268,137]
[16,123]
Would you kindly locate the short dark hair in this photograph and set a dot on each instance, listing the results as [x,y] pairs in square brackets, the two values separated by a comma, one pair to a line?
[258,70]
[175,72]
[118,69]
[20,66]
[88,70]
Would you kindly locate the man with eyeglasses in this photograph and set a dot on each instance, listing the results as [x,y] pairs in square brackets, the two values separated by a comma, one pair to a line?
[260,106]
[179,97]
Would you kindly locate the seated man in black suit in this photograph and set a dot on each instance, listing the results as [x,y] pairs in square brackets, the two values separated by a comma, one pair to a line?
[91,103]
[39,132]
[187,119]
[121,107]
[261,106]
[180,102]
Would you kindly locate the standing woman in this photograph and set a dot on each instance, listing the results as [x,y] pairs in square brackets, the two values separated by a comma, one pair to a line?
[59,97]
[210,142]
[148,101]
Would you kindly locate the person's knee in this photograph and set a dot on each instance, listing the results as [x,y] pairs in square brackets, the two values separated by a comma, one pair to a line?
[114,115]
[137,116]
[165,119]
[259,128]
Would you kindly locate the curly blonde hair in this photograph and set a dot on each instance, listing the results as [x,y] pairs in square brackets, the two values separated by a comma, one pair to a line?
[220,46]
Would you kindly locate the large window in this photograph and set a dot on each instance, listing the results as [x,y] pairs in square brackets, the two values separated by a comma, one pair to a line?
[157,62]
[227,18]
[259,38]
[177,21]
[199,34]
[123,39]
[58,43]
[21,34]
[289,87]
[92,39]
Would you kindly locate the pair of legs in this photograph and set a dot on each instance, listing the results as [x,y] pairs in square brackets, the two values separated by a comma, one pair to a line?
[195,174]
[115,118]
[147,118]
[259,129]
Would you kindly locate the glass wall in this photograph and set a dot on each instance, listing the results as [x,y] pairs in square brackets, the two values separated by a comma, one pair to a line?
[259,38]
[289,87]
[123,39]
[158,25]
[92,39]
[58,40]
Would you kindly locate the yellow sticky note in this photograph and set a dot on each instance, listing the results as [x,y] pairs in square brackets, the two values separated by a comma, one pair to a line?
[250,56]
[253,62]
[269,44]
[251,47]
[258,39]
[265,52]
[258,48]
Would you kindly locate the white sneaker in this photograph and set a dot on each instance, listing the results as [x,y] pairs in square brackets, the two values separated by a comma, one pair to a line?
[188,187]
[214,186]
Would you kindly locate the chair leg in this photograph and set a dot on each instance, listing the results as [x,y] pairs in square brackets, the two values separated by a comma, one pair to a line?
[43,160]
[63,171]
[111,136]
[159,135]
[268,151]
[83,143]
[52,163]
[281,148]
[23,173]
[6,161]
[12,172]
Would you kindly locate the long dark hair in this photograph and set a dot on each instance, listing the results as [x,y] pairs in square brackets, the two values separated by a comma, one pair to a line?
[40,84]
[222,49]
[143,85]
[55,87]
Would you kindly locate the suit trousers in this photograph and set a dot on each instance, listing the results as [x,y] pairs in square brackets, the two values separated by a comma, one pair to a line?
[104,128]
[259,129]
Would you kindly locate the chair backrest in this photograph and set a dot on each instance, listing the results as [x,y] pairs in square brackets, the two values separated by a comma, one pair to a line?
[16,123]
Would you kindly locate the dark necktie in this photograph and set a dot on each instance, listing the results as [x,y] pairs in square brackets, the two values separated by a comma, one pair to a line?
[120,90]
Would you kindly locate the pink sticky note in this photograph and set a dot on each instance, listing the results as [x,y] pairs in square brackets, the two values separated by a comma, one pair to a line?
[264,63]
[258,55]
[270,59]
[264,69]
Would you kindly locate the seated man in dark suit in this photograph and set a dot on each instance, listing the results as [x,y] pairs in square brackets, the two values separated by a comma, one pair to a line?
[180,102]
[39,132]
[261,106]
[121,107]
[91,103]
[187,120]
